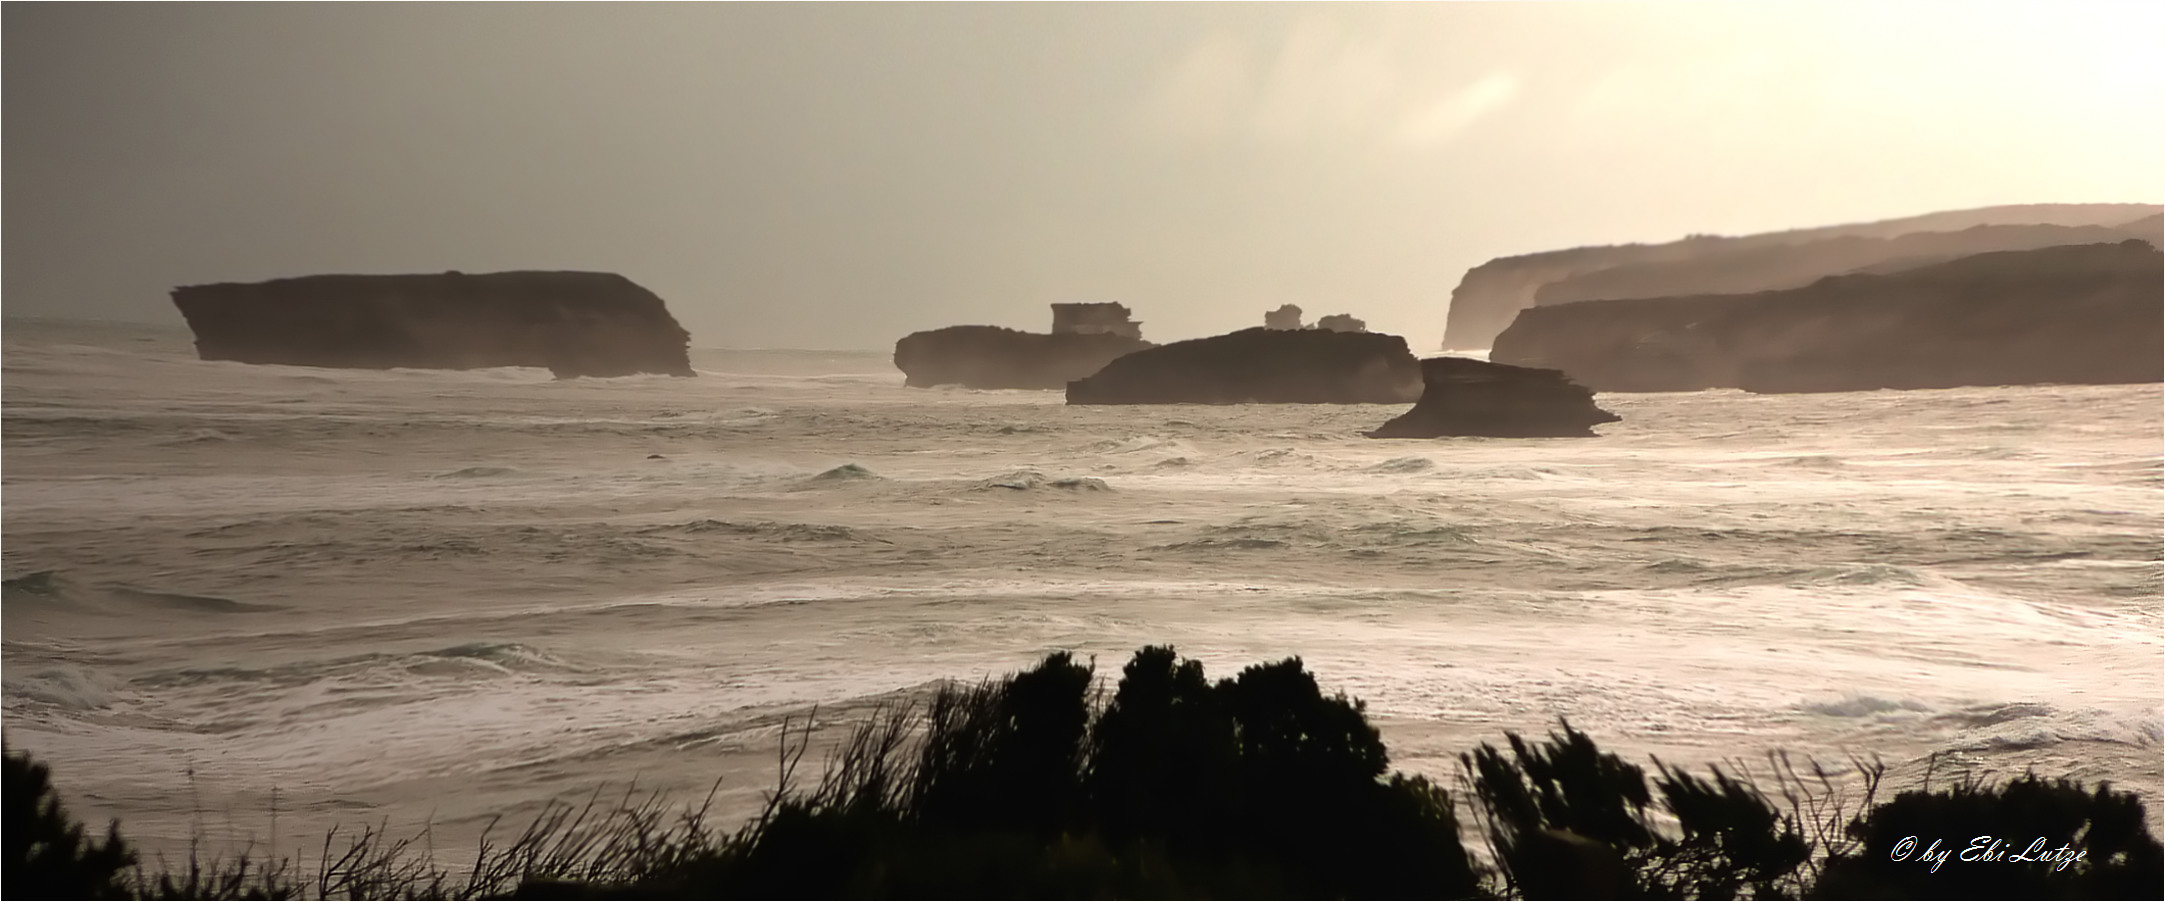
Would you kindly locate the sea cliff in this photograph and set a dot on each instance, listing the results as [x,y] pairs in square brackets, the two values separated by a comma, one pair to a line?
[1491,294]
[2075,314]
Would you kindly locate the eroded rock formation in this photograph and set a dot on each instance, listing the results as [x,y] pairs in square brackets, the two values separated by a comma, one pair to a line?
[1341,322]
[1260,366]
[574,323]
[1490,295]
[1085,337]
[2073,314]
[1095,319]
[1288,318]
[1463,396]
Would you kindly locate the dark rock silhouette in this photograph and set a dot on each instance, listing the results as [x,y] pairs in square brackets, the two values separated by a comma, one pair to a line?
[1085,337]
[2088,314]
[1749,269]
[1260,366]
[1490,295]
[1472,397]
[1341,322]
[1095,319]
[574,323]
[1288,318]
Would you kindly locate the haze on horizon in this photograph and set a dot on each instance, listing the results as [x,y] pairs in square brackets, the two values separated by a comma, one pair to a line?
[836,176]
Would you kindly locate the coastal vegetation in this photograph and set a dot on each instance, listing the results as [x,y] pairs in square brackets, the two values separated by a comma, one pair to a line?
[1258,785]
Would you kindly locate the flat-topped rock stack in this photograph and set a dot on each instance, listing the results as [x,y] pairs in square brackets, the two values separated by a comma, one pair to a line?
[573,323]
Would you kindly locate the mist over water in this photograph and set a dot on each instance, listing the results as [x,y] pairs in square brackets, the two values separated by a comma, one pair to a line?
[430,597]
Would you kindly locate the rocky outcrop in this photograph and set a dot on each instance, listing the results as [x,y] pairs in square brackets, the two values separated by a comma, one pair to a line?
[1288,317]
[1260,366]
[1490,295]
[1342,322]
[1084,338]
[574,323]
[993,357]
[1095,319]
[1463,396]
[2071,314]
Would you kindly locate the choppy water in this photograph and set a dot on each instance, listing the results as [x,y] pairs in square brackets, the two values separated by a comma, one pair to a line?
[425,597]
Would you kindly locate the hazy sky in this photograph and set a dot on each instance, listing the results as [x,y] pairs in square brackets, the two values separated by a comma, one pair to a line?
[815,175]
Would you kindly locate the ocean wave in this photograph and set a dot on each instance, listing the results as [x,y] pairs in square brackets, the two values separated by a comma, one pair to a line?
[1414,534]
[1140,444]
[1224,544]
[202,436]
[2027,726]
[1708,573]
[1864,706]
[1861,575]
[1403,465]
[39,584]
[845,473]
[480,472]
[68,688]
[1031,480]
[48,590]
[787,532]
[382,670]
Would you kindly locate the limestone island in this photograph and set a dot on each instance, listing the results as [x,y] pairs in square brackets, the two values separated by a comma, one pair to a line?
[1085,337]
[1467,397]
[1260,366]
[573,323]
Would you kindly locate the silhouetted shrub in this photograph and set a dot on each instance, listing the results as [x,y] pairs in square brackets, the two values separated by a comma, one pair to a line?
[47,855]
[1568,820]
[2029,818]
[1005,756]
[1733,840]
[1554,808]
[1163,756]
[1256,786]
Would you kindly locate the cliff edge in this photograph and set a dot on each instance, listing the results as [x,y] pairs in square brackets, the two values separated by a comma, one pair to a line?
[2079,314]
[1491,294]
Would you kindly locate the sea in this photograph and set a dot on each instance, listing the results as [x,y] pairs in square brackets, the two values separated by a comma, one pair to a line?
[247,605]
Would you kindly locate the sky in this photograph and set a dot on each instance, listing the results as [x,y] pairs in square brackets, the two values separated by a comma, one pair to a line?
[839,175]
